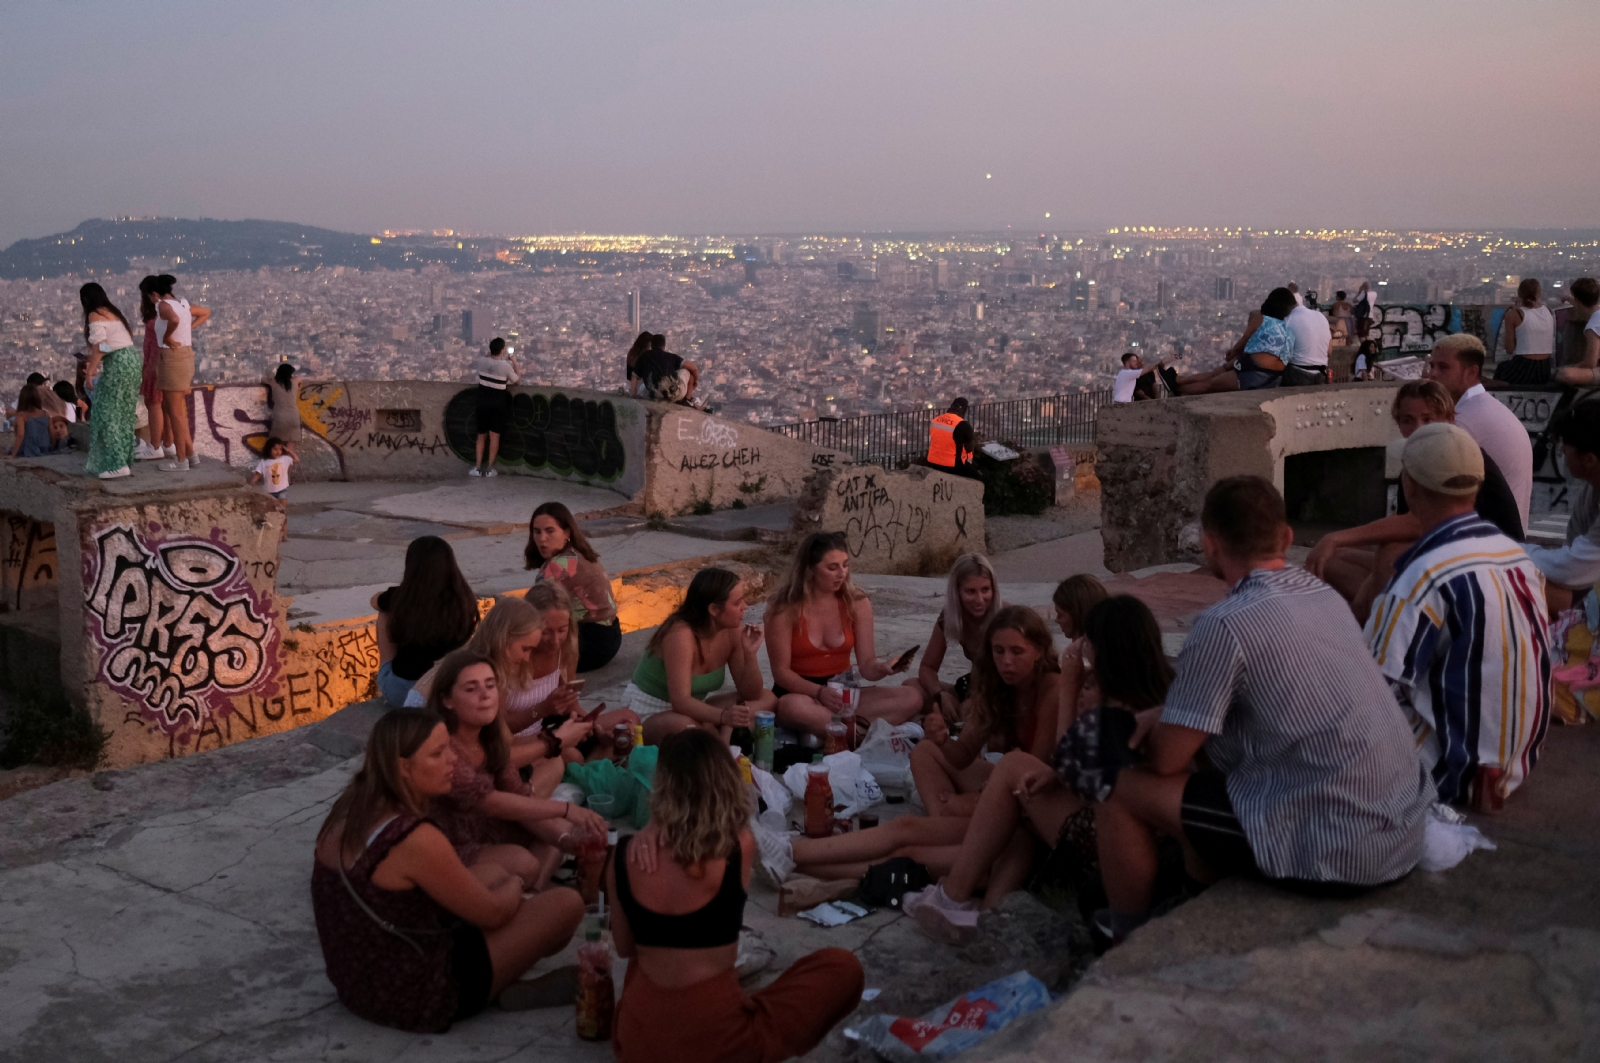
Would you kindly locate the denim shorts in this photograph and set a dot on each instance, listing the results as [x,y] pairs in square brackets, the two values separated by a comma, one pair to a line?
[1256,379]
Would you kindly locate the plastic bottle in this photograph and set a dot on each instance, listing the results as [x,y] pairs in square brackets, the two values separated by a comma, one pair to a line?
[766,733]
[638,735]
[835,740]
[591,865]
[819,800]
[596,998]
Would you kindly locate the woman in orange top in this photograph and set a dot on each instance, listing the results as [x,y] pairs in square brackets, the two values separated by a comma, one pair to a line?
[816,620]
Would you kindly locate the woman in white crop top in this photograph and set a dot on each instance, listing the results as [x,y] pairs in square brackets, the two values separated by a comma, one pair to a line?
[1529,331]
[114,360]
[176,319]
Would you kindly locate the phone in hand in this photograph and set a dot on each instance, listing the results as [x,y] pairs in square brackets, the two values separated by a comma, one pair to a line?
[905,659]
[594,714]
[577,685]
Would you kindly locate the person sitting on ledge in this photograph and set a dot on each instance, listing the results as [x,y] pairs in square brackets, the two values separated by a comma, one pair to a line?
[1358,561]
[430,613]
[1312,777]
[412,937]
[1015,700]
[1456,361]
[561,553]
[1529,337]
[676,921]
[689,658]
[1257,360]
[815,620]
[1460,631]
[1584,294]
[554,689]
[1026,798]
[489,810]
[1575,566]
[971,598]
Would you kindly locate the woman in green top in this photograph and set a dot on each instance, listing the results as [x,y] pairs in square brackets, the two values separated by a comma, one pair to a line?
[689,659]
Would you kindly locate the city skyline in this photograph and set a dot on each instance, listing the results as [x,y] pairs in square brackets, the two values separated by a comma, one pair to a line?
[833,117]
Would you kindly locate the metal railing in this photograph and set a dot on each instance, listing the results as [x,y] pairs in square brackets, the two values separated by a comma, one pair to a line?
[892,439]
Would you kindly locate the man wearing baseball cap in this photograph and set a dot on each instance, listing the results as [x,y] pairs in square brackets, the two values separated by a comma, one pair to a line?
[1460,630]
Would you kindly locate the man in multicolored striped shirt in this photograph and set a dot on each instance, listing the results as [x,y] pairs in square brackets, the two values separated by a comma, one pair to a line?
[1460,631]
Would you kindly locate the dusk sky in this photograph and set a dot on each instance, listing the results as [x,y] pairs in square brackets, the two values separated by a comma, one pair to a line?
[741,117]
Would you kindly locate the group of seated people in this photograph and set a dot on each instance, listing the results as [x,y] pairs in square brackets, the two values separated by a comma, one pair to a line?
[1296,739]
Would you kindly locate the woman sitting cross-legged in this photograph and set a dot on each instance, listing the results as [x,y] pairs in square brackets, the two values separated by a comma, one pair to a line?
[413,938]
[815,621]
[1015,698]
[1122,647]
[971,597]
[553,665]
[690,657]
[488,808]
[680,887]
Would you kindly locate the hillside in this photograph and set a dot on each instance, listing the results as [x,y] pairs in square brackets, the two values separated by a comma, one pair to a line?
[198,245]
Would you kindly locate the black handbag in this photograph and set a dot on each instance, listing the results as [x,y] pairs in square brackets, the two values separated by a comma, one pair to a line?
[885,884]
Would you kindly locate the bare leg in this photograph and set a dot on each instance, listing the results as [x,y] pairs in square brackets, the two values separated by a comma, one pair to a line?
[477,460]
[897,704]
[542,927]
[1143,805]
[801,712]
[494,448]
[547,775]
[1000,811]
[604,724]
[944,790]
[878,843]
[938,859]
[513,859]
[659,727]
[178,418]
[1347,570]
[1382,572]
[158,422]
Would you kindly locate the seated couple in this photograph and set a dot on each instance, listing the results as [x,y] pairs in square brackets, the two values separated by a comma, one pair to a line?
[1263,357]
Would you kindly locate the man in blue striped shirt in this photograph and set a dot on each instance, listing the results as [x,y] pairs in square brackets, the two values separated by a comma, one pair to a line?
[1460,629]
[1314,780]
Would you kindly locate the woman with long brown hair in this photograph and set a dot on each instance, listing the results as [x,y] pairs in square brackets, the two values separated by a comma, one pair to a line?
[412,937]
[674,687]
[1015,696]
[679,906]
[816,620]
[1025,798]
[561,553]
[114,360]
[430,613]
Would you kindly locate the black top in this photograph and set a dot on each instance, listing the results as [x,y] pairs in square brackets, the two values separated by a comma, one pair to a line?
[412,660]
[653,365]
[709,927]
[1496,504]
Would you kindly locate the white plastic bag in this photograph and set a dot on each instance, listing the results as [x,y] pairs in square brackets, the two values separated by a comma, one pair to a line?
[1448,839]
[853,786]
[773,792]
[886,752]
[954,1026]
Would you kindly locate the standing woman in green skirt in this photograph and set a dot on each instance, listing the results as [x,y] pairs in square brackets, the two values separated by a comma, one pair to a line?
[113,358]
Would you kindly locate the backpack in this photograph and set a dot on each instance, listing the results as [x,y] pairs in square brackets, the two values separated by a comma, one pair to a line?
[886,883]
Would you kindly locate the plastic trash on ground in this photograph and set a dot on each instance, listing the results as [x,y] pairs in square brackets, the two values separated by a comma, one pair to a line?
[853,787]
[773,792]
[886,753]
[834,913]
[1448,839]
[970,1019]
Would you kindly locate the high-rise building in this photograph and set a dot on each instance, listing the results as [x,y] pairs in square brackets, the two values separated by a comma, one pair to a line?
[635,322]
[941,275]
[1225,289]
[847,271]
[1161,294]
[466,328]
[1080,296]
[867,326]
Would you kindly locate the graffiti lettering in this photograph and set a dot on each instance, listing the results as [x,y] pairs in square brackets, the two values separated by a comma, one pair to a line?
[823,460]
[181,632]
[943,491]
[710,434]
[344,422]
[393,443]
[573,437]
[28,560]
[401,420]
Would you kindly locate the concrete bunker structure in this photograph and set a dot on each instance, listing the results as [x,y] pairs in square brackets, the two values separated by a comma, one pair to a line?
[154,601]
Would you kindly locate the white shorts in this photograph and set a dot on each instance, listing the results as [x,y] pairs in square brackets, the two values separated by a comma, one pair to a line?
[643,705]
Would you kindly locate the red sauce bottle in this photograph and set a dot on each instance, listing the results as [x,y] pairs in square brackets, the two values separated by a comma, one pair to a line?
[819,800]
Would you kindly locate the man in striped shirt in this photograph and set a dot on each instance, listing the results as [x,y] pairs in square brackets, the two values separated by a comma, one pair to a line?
[1314,782]
[1460,630]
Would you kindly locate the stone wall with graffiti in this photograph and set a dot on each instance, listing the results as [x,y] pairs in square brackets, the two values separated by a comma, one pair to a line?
[700,462]
[1551,495]
[28,565]
[911,522]
[409,429]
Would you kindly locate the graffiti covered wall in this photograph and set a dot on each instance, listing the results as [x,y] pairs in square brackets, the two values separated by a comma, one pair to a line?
[423,429]
[699,461]
[28,565]
[913,522]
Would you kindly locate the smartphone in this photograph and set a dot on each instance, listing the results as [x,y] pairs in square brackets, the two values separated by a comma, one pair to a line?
[593,714]
[905,659]
[577,685]
[553,721]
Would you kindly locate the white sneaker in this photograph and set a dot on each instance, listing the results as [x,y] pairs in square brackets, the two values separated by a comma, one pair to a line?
[116,474]
[492,472]
[170,450]
[145,452]
[776,851]
[940,917]
[474,471]
[175,466]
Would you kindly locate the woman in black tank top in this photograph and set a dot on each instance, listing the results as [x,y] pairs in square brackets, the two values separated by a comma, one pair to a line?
[680,888]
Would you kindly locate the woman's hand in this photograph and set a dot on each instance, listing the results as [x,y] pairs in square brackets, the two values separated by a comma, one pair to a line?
[563,701]
[643,852]
[935,729]
[830,699]
[751,637]
[1031,786]
[587,819]
[736,715]
[1145,722]
[572,732]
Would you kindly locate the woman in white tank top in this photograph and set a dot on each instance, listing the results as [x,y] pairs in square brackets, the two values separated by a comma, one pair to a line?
[1529,332]
[175,324]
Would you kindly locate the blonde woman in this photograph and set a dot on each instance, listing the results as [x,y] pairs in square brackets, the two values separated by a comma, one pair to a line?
[815,621]
[971,597]
[680,887]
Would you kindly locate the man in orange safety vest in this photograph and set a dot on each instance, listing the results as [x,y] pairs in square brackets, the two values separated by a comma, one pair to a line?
[950,440]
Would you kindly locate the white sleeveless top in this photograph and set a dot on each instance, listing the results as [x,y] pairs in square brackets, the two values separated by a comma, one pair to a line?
[108,335]
[1537,333]
[180,332]
[530,695]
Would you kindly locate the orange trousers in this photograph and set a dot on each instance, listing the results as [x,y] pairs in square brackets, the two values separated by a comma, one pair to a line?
[718,1022]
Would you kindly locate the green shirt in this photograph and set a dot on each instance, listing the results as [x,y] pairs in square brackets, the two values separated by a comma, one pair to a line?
[651,677]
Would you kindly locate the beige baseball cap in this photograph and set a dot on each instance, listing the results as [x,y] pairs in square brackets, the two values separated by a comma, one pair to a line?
[1443,458]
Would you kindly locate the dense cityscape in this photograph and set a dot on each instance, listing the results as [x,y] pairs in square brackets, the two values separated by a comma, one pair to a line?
[793,327]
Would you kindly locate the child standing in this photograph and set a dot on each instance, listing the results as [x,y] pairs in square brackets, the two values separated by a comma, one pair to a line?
[272,471]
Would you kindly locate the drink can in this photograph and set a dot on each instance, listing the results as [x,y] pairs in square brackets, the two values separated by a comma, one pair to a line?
[866,820]
[1487,792]
[766,734]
